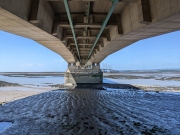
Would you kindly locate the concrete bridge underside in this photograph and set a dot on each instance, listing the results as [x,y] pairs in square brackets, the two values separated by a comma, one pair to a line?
[47,22]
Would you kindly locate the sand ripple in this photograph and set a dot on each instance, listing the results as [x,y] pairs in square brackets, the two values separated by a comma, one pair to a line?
[91,112]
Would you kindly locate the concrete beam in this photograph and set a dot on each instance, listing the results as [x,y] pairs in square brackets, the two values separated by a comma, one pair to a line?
[130,17]
[84,25]
[82,44]
[45,16]
[37,12]
[144,12]
[165,16]
[113,33]
[82,49]
[41,15]
[84,37]
[14,24]
[34,12]
[64,39]
[55,24]
[119,24]
[73,0]
[131,21]
[108,35]
[129,1]
[102,42]
[57,30]
[21,8]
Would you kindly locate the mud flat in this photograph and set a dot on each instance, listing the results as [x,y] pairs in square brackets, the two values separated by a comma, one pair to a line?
[159,88]
[142,76]
[31,74]
[93,112]
[143,87]
[47,108]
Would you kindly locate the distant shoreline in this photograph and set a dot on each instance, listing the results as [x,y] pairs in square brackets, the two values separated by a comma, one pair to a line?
[118,71]
[28,74]
[2,73]
[106,75]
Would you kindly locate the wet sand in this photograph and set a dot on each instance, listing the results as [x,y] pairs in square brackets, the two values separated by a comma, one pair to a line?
[93,112]
[11,93]
[144,87]
[117,109]
[14,91]
[158,75]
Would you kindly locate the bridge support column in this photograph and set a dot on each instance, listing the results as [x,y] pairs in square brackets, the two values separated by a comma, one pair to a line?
[90,75]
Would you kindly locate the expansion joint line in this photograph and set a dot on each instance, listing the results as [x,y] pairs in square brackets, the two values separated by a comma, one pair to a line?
[71,25]
[103,26]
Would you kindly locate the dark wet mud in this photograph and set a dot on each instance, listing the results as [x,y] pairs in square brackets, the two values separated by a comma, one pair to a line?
[93,112]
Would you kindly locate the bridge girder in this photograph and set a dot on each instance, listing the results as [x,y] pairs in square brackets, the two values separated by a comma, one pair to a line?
[46,22]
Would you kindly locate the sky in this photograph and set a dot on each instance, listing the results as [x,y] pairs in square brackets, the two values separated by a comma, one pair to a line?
[19,54]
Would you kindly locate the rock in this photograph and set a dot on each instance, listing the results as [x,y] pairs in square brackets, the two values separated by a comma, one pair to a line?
[4,84]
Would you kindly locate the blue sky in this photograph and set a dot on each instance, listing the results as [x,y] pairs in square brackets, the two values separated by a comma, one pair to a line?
[19,54]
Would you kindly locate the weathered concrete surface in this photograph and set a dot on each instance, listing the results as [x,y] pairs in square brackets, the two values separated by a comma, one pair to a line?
[77,78]
[89,75]
[46,22]
[20,8]
[45,16]
[165,16]
[14,24]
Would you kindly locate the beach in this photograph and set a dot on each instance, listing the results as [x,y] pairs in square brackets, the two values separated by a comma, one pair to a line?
[37,105]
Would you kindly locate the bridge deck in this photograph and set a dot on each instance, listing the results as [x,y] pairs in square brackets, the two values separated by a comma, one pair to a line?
[46,22]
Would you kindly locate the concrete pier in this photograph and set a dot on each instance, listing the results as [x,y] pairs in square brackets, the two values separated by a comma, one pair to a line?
[90,75]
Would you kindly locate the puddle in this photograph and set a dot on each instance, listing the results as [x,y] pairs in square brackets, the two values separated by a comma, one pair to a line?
[4,125]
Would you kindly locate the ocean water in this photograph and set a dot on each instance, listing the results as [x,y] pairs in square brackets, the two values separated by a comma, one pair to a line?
[46,80]
[33,81]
